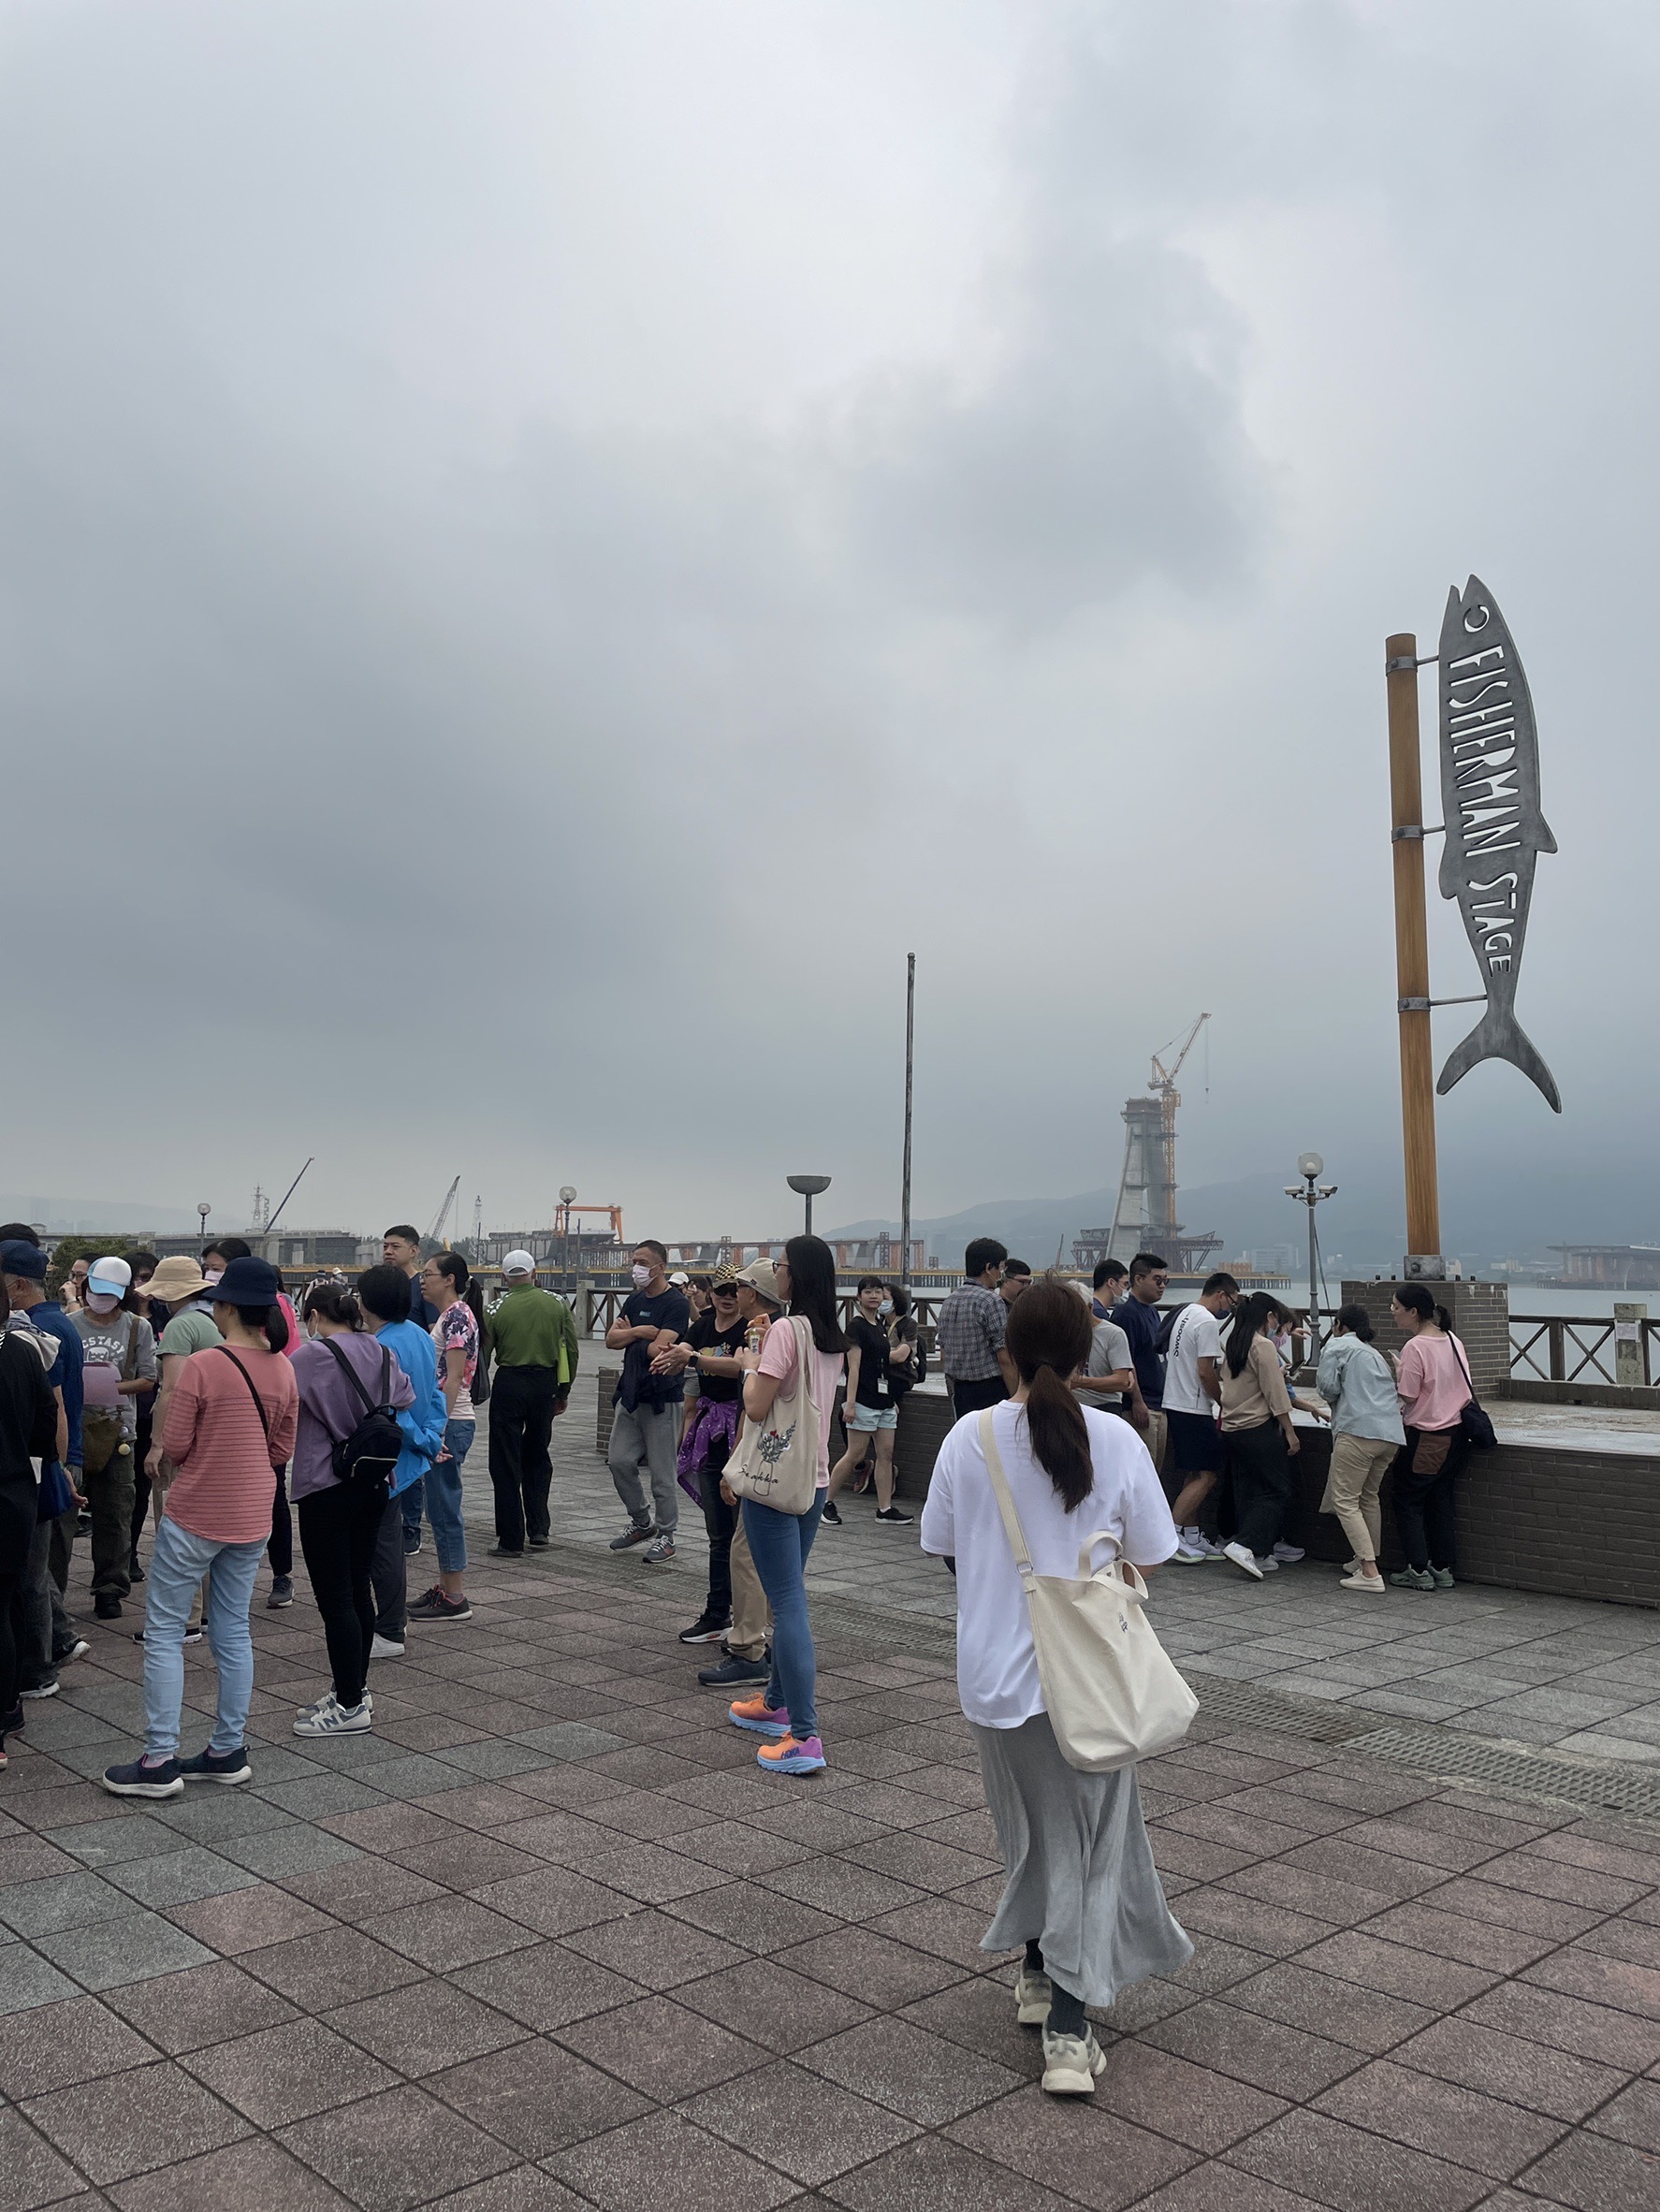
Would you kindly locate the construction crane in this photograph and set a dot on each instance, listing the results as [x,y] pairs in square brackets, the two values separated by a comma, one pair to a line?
[435,1234]
[1147,1180]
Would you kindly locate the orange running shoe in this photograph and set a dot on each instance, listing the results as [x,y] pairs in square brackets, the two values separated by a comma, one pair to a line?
[793,1755]
[754,1712]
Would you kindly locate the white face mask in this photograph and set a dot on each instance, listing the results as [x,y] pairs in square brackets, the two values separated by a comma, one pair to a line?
[642,1275]
[101,1304]
[211,1275]
[886,1306]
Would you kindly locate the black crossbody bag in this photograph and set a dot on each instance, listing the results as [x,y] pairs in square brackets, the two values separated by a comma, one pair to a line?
[1475,1420]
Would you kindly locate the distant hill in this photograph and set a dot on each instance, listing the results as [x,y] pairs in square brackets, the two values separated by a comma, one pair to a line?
[74,1217]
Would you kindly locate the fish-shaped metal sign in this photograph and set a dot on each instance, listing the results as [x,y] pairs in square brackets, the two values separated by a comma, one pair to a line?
[1490,793]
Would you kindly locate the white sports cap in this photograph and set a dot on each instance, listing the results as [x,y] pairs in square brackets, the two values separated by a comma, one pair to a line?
[113,1278]
[518,1263]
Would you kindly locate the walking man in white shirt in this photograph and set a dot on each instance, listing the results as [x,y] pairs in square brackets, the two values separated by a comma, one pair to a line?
[1192,1394]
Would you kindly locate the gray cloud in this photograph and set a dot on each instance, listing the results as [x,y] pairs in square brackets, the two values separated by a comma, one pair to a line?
[540,557]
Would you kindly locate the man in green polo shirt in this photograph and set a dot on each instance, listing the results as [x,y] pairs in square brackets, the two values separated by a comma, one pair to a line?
[532,1341]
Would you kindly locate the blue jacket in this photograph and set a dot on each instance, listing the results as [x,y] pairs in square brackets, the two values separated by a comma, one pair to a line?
[422,1422]
[52,1320]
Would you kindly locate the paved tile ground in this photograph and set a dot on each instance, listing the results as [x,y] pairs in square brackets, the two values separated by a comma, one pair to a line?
[547,1939]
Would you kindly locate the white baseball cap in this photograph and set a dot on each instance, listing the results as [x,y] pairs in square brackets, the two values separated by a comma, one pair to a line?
[518,1263]
[111,1277]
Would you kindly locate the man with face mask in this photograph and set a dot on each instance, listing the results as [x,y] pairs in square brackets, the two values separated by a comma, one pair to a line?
[532,1340]
[118,1355]
[646,1424]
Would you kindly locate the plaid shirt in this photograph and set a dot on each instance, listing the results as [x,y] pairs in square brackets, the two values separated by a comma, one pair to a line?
[970,1333]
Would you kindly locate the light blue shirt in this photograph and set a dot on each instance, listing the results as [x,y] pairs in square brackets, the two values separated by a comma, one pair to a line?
[1359,1385]
[421,1423]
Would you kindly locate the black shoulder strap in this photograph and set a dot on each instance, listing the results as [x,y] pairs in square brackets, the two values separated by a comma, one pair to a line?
[352,1376]
[253,1390]
[1463,1367]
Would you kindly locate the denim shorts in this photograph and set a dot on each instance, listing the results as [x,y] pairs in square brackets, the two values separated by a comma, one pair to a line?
[862,1421]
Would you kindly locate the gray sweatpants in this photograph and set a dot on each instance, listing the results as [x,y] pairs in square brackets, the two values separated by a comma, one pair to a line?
[649,1438]
[47,1626]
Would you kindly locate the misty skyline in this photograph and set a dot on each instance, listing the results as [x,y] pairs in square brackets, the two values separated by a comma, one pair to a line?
[544,549]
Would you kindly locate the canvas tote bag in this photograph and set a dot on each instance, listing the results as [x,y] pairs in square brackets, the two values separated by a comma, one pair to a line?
[776,1460]
[1112,1693]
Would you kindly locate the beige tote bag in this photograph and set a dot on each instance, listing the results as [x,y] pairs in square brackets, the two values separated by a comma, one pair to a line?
[1112,1693]
[776,1460]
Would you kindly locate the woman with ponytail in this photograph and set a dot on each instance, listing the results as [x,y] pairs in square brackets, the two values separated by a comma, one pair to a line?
[1082,1895]
[1434,1382]
[447,1284]
[230,1424]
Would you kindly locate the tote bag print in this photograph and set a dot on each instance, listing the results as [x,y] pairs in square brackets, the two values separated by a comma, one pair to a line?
[777,1461]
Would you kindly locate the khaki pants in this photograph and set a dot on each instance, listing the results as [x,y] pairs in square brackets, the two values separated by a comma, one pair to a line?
[1359,1465]
[751,1616]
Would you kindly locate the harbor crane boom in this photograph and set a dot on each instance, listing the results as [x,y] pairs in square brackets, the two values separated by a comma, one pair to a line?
[436,1231]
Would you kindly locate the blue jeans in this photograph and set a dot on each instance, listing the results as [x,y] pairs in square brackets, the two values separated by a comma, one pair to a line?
[444,1496]
[779,1545]
[177,1565]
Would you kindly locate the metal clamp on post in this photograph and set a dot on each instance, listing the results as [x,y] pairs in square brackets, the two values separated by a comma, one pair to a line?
[1405,660]
[1414,833]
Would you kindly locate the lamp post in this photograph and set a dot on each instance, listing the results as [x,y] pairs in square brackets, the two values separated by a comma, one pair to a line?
[1309,1192]
[204,1210]
[809,1187]
[567,1194]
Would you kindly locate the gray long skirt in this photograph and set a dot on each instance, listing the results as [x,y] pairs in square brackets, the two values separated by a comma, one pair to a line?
[1082,1882]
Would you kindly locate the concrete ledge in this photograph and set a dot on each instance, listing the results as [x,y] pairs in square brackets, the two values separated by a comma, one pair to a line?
[1639,1397]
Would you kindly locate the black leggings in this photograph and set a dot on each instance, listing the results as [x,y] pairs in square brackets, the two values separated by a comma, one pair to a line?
[1264,1484]
[337,1532]
[1422,1498]
[17,1533]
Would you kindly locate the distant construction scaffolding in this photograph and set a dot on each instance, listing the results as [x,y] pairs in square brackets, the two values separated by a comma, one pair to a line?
[1145,1218]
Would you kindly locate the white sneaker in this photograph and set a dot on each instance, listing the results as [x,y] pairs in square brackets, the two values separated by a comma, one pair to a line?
[316,1705]
[384,1648]
[1287,1554]
[1071,2065]
[1188,1554]
[334,1719]
[1243,1558]
[1373,1583]
[1269,1565]
[1033,1996]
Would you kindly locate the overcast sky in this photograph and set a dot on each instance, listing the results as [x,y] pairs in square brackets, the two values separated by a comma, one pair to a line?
[544,546]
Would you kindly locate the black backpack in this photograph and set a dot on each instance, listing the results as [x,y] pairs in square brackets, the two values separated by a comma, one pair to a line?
[367,1458]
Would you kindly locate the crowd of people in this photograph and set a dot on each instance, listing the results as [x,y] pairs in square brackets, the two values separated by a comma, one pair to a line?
[1208,1386]
[201,1396]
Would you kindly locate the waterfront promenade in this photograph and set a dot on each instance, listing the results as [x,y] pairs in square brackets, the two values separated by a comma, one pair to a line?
[524,1948]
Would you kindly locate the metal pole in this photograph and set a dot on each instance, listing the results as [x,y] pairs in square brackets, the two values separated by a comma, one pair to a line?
[272,1218]
[905,1174]
[1412,951]
[808,1199]
[1314,1294]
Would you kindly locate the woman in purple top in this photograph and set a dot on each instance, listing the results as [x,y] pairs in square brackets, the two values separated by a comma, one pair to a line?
[339,1520]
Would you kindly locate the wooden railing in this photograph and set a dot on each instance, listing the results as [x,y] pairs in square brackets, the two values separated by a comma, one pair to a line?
[1576,1348]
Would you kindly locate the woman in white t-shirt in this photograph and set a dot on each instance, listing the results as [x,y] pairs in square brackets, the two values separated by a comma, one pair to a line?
[787,1710]
[1082,1894]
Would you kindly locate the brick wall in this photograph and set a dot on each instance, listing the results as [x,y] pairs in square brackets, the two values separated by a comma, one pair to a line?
[1480,1319]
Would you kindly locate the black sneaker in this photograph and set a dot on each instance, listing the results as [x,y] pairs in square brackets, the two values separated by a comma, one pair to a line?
[192,1636]
[506,1551]
[709,1628]
[212,1766]
[107,1608]
[144,1779]
[411,1542]
[894,1519]
[830,1516]
[11,1724]
[76,1649]
[540,1543]
[47,1689]
[135,1570]
[282,1591]
[733,1669]
[633,1535]
[435,1606]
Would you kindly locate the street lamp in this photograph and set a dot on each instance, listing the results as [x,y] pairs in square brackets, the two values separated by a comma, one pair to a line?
[204,1210]
[809,1187]
[567,1193]
[1309,1192]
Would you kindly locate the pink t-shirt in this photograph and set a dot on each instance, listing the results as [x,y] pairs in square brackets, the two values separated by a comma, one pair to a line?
[213,1436]
[1431,1382]
[777,1357]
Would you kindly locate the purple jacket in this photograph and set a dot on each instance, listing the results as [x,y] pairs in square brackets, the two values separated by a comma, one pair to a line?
[330,1409]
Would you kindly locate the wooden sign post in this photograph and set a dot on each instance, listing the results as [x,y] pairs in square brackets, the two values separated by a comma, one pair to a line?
[1412,959]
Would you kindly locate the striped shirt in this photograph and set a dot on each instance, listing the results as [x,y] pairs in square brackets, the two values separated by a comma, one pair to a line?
[225,1480]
